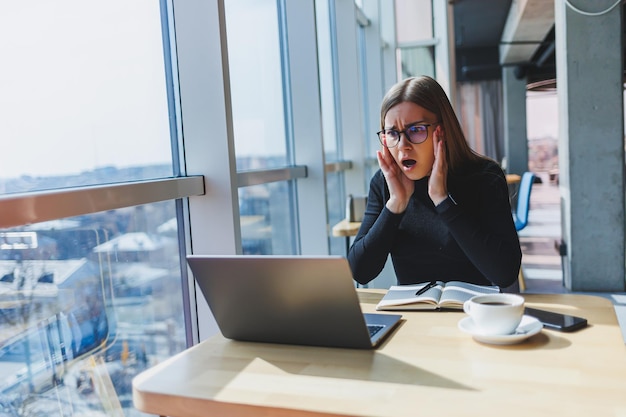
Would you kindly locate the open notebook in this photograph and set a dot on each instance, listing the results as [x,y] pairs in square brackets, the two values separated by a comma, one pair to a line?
[432,296]
[288,299]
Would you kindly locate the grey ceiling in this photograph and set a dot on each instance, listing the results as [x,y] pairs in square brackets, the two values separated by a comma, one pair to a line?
[478,33]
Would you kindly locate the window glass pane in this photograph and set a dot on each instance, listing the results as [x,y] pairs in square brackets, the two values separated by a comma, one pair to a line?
[336,206]
[83,93]
[414,21]
[417,61]
[86,304]
[370,127]
[327,84]
[333,135]
[267,219]
[335,201]
[256,83]
[371,166]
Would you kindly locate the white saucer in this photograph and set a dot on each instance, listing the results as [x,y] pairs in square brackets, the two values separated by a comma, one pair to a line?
[529,326]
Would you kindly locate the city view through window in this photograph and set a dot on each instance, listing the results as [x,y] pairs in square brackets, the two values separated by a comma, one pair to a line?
[86,302]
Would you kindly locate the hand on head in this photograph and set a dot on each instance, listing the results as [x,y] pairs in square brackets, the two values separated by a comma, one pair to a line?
[437,188]
[400,186]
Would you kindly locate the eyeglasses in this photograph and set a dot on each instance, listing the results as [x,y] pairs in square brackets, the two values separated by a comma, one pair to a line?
[416,134]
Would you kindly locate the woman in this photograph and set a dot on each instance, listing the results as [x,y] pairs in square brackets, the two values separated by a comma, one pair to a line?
[441,210]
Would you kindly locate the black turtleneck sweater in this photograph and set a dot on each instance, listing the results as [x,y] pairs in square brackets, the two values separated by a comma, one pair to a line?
[469,237]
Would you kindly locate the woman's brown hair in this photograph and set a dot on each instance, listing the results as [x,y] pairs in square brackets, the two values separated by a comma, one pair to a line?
[427,93]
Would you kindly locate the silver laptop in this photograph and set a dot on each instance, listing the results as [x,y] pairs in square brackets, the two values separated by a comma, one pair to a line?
[288,299]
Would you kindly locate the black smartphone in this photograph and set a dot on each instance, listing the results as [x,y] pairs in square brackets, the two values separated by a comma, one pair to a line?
[557,321]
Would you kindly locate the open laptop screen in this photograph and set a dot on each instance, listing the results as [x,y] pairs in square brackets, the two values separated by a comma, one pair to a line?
[286,299]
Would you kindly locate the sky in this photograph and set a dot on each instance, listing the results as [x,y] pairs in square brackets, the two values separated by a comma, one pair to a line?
[82,86]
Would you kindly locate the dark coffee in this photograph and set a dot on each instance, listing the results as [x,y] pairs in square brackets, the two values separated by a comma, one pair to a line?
[495,303]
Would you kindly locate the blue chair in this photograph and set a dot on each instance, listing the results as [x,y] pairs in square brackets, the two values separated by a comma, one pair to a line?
[520,215]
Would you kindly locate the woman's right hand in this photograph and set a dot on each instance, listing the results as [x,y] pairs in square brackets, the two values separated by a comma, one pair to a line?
[400,186]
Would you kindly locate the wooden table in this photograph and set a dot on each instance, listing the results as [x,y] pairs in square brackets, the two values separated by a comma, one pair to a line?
[513,179]
[428,367]
[346,228]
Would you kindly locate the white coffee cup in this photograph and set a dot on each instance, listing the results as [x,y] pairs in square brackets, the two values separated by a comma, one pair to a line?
[495,314]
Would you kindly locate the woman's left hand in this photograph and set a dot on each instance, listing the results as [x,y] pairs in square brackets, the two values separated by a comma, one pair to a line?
[437,183]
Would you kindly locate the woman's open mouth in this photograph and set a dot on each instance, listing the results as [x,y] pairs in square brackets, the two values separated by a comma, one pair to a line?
[409,163]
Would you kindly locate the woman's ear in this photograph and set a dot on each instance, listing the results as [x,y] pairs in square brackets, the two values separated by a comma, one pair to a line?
[441,133]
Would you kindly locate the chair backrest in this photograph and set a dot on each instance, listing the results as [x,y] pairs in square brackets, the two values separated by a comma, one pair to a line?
[355,207]
[520,216]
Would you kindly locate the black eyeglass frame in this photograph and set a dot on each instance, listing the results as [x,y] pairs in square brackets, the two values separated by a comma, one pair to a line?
[427,125]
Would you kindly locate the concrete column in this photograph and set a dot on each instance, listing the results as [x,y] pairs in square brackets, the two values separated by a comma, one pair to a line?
[591,143]
[515,136]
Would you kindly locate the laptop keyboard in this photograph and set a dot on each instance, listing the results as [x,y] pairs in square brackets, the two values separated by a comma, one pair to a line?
[374,328]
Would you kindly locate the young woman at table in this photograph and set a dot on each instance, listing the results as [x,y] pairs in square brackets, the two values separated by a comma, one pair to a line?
[441,210]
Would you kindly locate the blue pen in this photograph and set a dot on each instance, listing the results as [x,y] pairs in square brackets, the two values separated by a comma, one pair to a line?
[426,287]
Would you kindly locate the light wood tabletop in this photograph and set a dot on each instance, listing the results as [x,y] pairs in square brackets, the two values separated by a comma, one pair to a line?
[427,367]
[513,178]
[346,228]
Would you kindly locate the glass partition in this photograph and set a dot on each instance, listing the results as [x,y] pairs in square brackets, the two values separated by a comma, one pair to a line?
[258,108]
[85,305]
[267,219]
[260,120]
[416,61]
[414,37]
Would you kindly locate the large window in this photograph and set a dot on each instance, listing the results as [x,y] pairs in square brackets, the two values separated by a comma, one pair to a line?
[260,122]
[254,54]
[267,222]
[331,115]
[85,304]
[83,94]
[414,35]
[86,301]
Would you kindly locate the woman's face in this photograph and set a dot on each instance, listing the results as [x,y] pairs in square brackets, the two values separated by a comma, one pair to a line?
[415,160]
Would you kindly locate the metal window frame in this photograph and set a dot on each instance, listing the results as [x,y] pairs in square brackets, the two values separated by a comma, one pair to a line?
[265,176]
[28,208]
